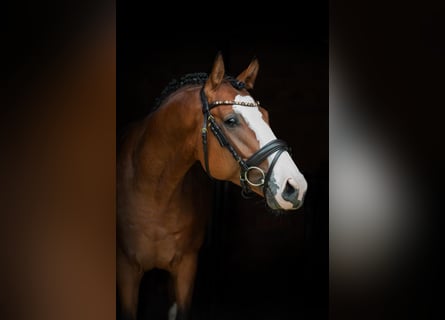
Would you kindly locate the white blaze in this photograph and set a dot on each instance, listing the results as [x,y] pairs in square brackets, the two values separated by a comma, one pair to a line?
[285,169]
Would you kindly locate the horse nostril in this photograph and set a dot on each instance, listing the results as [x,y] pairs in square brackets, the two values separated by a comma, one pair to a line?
[290,193]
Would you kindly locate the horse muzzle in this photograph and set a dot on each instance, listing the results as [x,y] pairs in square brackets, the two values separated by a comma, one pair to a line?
[287,196]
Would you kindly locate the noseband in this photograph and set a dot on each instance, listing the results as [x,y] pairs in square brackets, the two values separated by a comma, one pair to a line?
[252,163]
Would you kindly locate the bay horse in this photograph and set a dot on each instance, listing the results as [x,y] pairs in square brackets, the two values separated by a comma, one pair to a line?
[203,127]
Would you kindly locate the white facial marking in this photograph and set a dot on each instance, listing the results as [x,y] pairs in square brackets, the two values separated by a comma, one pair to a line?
[285,171]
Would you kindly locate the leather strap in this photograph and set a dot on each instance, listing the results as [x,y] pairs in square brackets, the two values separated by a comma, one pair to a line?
[265,151]
[256,159]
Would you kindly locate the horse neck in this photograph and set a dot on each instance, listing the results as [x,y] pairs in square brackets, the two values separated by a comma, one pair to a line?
[167,148]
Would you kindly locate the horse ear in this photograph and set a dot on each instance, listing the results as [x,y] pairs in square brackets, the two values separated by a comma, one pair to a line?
[216,76]
[248,76]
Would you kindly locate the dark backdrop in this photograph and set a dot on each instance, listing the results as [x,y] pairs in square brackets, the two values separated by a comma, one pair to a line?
[253,265]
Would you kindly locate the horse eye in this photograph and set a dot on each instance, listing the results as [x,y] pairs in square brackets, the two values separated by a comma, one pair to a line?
[231,121]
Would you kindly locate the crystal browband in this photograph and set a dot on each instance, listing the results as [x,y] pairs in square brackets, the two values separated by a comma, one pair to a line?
[232,102]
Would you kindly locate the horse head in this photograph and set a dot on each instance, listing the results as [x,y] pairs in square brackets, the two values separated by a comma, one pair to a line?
[243,148]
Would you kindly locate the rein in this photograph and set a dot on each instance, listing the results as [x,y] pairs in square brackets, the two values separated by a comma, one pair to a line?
[251,165]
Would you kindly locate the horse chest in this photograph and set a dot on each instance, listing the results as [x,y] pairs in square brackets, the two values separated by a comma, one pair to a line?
[163,236]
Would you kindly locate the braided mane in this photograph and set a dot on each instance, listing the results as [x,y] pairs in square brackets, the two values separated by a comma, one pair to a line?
[197,78]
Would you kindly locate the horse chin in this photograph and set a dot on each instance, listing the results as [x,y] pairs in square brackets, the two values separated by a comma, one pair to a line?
[271,202]
[270,196]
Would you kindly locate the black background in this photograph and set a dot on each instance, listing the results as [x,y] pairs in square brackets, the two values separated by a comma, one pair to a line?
[253,265]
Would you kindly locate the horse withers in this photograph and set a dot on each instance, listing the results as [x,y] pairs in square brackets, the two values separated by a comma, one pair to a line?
[203,125]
